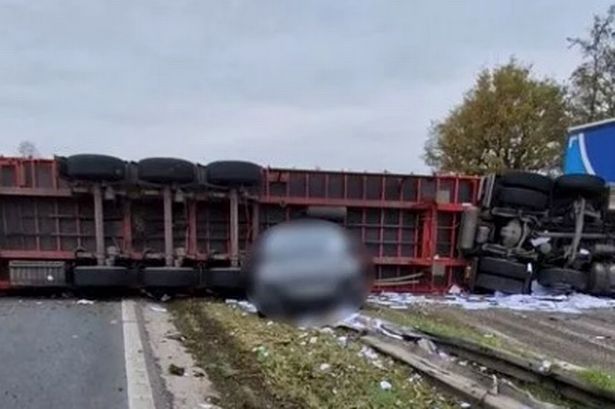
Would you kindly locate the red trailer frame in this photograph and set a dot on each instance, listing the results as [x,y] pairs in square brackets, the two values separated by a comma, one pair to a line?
[409,223]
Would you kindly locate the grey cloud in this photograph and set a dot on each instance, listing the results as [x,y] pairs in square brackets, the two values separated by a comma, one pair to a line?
[335,84]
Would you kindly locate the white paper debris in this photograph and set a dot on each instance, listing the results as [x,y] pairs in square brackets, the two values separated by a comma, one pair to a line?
[465,405]
[372,356]
[545,366]
[83,301]
[156,308]
[454,290]
[342,341]
[540,300]
[242,304]
[414,378]
[325,367]
[208,406]
[385,385]
[261,351]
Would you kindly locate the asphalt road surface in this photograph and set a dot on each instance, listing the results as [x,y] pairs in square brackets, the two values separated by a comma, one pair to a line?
[61,354]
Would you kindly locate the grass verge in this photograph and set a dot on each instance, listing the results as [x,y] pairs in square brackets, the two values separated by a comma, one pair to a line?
[256,363]
[435,325]
[599,378]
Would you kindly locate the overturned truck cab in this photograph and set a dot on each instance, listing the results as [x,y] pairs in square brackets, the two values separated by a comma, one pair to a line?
[527,226]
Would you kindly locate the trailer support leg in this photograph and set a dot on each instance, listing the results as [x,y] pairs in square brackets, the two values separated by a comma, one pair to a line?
[168,225]
[255,219]
[234,227]
[99,229]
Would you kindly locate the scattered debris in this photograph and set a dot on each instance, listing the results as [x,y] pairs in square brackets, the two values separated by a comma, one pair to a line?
[455,289]
[176,370]
[573,303]
[322,374]
[156,308]
[372,356]
[242,304]
[427,346]
[83,301]
[385,385]
[545,366]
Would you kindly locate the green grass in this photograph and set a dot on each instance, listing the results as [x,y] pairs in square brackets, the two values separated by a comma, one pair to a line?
[435,325]
[599,378]
[276,365]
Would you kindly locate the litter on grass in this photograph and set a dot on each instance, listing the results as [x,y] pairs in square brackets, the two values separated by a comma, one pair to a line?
[83,301]
[540,300]
[241,304]
[325,367]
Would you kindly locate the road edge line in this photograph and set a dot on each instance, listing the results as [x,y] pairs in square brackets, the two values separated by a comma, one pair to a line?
[139,388]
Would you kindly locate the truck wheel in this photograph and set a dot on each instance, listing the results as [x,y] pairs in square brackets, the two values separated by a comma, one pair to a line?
[166,170]
[233,173]
[502,284]
[599,281]
[103,276]
[223,278]
[498,274]
[169,277]
[503,267]
[93,167]
[579,185]
[566,278]
[527,180]
[522,198]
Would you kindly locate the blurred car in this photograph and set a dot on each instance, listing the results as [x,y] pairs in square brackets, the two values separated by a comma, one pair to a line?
[308,271]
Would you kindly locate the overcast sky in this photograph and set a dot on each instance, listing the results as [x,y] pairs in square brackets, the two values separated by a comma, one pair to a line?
[335,84]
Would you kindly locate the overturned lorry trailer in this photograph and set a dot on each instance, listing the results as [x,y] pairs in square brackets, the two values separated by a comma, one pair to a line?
[98,221]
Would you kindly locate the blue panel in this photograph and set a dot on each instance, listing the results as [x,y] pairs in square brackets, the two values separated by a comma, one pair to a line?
[600,149]
[574,162]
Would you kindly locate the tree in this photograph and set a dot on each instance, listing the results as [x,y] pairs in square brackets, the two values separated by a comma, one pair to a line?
[27,149]
[508,120]
[592,84]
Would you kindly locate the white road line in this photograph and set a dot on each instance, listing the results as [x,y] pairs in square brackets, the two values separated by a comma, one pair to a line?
[139,390]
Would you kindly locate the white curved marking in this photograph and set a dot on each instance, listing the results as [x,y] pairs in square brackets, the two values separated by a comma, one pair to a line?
[588,166]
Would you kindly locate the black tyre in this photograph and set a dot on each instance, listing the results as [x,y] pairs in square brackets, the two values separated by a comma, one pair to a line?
[527,180]
[503,267]
[166,170]
[563,278]
[574,185]
[169,277]
[503,284]
[223,278]
[517,197]
[599,281]
[93,167]
[233,173]
[103,276]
